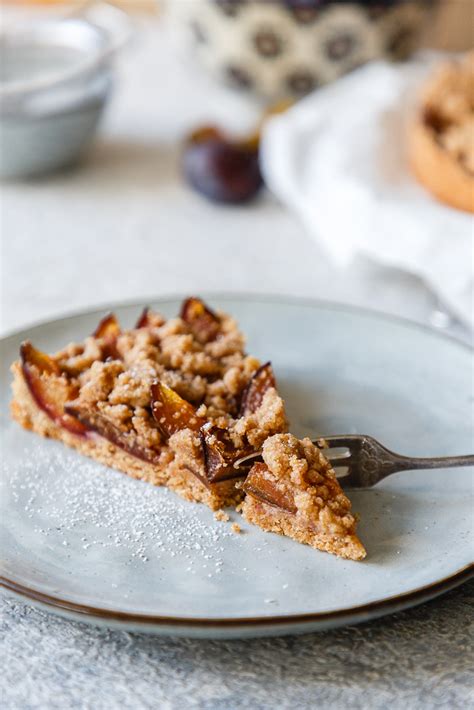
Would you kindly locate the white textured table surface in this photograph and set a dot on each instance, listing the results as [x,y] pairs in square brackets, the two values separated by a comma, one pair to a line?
[124,227]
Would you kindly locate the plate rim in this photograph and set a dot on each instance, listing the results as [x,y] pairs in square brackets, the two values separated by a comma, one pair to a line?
[336,617]
[339,617]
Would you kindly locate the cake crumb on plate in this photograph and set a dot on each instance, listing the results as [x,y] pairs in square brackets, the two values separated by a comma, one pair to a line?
[221,516]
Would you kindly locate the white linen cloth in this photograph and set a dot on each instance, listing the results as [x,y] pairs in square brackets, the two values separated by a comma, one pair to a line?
[338,159]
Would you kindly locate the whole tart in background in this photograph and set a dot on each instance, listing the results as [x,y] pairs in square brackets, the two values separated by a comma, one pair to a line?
[441,140]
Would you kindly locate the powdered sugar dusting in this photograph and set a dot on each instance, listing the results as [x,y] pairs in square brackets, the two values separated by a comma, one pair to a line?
[78,500]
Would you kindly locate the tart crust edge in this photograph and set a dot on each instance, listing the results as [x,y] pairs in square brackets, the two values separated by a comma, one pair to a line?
[437,170]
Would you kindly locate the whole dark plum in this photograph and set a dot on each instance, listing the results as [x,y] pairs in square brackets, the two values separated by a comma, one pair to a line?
[221,169]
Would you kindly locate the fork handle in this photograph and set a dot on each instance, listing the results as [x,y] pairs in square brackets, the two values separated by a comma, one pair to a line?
[376,462]
[406,463]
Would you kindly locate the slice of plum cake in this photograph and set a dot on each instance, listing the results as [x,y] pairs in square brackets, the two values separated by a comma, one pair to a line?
[295,492]
[173,402]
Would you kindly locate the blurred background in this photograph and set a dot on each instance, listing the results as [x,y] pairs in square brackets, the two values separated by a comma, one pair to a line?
[135,137]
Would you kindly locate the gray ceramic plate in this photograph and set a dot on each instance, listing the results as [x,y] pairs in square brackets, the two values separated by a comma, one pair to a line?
[92,544]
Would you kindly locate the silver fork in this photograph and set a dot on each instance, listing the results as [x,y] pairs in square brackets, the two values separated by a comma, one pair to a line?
[366,461]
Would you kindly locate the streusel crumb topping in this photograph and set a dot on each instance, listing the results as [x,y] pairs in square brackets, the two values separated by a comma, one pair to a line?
[302,473]
[210,375]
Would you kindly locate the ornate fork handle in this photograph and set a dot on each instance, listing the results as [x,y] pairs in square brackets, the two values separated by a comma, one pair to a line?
[411,464]
[375,462]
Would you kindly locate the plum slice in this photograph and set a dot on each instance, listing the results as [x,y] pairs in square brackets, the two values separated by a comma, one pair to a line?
[252,396]
[202,321]
[49,388]
[220,454]
[108,331]
[144,319]
[171,412]
[42,361]
[260,486]
[96,422]
[108,327]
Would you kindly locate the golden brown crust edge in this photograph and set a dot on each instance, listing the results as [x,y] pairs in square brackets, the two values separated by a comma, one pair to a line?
[277,521]
[26,412]
[437,170]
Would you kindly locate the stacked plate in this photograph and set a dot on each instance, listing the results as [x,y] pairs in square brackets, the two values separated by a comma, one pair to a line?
[55,78]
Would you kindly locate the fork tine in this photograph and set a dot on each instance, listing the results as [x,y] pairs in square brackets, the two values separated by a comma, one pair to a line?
[340,454]
[335,457]
[330,446]
[248,461]
[335,442]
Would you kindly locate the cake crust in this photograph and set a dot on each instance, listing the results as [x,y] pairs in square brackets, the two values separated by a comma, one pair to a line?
[436,169]
[441,137]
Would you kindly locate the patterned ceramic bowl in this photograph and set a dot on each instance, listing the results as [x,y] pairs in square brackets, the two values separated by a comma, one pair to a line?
[289,47]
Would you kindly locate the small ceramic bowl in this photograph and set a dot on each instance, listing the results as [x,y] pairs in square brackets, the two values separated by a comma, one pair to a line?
[286,48]
[55,78]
